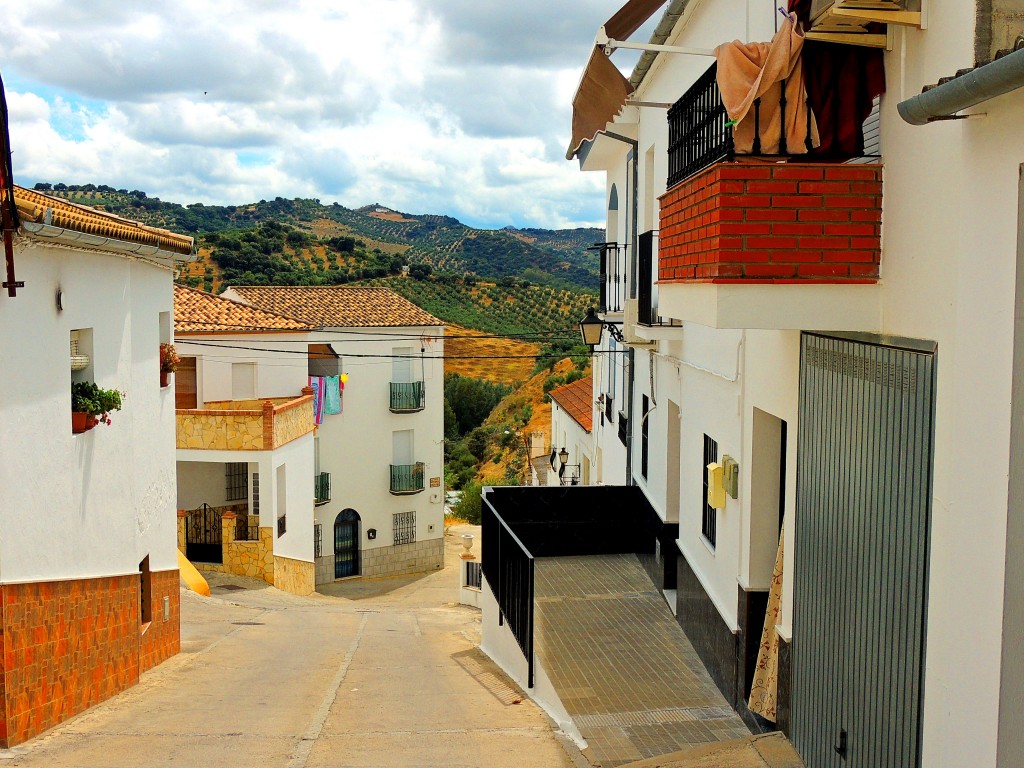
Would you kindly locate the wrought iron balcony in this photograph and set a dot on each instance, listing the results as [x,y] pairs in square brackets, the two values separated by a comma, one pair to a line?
[322,488]
[407,478]
[408,398]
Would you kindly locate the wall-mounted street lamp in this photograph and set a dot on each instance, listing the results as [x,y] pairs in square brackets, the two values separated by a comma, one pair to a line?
[591,327]
[574,477]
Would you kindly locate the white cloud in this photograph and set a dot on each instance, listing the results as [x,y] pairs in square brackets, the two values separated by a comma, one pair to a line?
[439,106]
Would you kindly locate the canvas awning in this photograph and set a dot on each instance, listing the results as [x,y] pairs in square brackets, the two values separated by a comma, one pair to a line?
[603,90]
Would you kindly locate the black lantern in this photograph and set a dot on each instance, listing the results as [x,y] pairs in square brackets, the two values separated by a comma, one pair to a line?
[590,329]
[563,456]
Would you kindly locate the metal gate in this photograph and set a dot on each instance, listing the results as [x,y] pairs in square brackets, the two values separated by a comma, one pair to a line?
[862,536]
[202,535]
[346,544]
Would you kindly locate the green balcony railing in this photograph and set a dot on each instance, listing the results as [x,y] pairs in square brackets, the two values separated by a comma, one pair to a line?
[407,478]
[322,488]
[408,398]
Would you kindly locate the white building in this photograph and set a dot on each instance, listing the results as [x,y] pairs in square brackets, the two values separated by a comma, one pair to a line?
[572,418]
[88,564]
[245,445]
[384,452]
[852,360]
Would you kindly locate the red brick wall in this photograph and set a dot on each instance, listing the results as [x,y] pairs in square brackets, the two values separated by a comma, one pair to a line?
[787,222]
[68,645]
[162,639]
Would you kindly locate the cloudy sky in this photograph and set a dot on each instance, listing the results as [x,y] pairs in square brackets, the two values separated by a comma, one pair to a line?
[459,107]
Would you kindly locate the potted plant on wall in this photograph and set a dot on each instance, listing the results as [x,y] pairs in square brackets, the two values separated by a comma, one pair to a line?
[169,361]
[91,404]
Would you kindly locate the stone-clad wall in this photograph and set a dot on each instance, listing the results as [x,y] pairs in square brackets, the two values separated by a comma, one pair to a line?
[417,557]
[294,576]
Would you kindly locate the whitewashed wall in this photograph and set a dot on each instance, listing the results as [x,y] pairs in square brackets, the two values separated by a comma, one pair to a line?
[281,361]
[94,504]
[567,433]
[356,446]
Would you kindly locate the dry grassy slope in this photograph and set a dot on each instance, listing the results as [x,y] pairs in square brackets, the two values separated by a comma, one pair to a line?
[491,368]
[531,392]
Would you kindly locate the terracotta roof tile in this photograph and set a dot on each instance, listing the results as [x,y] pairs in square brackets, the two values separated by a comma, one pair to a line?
[338,306]
[199,312]
[577,400]
[43,209]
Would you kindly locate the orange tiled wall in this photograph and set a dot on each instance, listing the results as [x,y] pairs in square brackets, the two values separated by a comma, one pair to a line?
[68,645]
[163,638]
[757,223]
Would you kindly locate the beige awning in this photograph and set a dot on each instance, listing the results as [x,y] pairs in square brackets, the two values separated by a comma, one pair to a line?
[603,90]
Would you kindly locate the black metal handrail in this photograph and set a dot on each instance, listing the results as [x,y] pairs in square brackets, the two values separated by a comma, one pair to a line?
[322,488]
[407,478]
[509,568]
[408,397]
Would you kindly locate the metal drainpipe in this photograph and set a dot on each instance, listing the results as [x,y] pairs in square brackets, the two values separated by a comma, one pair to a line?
[632,294]
[984,83]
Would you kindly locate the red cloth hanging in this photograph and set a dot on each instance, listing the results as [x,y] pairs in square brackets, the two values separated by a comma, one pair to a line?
[842,83]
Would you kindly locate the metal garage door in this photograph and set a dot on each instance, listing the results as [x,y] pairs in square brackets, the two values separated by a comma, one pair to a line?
[861,572]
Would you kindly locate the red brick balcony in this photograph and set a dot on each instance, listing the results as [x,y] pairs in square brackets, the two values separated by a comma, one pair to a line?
[809,232]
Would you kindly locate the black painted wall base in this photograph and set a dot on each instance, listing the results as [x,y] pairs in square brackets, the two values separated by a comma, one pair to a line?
[730,657]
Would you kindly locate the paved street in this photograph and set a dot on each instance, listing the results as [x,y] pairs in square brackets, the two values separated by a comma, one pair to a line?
[383,672]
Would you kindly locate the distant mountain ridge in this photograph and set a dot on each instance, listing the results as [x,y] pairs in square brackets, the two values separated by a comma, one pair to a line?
[558,258]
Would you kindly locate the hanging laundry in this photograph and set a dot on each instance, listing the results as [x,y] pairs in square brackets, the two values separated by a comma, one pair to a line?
[749,73]
[332,395]
[317,383]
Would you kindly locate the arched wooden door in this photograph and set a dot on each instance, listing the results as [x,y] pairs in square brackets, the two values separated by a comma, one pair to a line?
[346,544]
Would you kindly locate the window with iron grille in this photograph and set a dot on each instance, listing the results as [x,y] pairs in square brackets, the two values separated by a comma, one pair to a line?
[645,407]
[709,520]
[236,476]
[405,527]
[255,495]
[317,540]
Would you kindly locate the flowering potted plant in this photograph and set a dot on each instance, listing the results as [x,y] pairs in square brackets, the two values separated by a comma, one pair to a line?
[169,362]
[91,405]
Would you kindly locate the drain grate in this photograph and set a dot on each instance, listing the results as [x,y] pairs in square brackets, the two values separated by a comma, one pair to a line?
[653,717]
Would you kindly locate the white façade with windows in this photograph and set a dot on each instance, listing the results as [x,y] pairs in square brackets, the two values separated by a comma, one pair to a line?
[384,453]
[951,260]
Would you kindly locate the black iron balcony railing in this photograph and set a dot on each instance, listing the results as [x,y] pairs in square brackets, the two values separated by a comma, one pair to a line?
[408,398]
[613,275]
[322,488]
[700,132]
[647,313]
[407,478]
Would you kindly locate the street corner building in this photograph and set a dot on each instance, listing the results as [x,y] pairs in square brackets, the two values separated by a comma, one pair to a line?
[811,381]
[88,561]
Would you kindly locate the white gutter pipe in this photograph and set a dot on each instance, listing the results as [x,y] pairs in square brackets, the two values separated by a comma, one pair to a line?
[986,82]
[83,239]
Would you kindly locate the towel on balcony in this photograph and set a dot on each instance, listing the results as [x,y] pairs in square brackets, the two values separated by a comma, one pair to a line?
[751,71]
[332,395]
[317,383]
